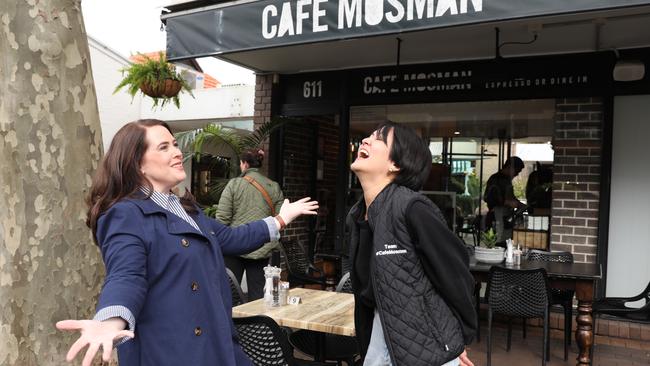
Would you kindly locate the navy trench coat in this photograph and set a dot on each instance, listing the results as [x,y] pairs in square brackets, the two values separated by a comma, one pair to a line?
[172,278]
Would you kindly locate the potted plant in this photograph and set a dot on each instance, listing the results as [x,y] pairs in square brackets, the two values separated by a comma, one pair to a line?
[488,252]
[489,238]
[194,143]
[156,78]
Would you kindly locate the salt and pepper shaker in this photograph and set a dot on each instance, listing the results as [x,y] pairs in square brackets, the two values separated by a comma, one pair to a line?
[517,256]
[284,292]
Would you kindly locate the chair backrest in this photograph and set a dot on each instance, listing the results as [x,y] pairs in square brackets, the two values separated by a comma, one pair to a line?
[295,256]
[346,266]
[646,295]
[238,296]
[264,341]
[518,292]
[345,284]
[544,256]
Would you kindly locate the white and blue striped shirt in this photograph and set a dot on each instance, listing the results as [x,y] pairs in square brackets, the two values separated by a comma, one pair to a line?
[172,203]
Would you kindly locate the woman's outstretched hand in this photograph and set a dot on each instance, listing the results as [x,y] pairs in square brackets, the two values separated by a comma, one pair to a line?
[94,334]
[290,210]
[464,360]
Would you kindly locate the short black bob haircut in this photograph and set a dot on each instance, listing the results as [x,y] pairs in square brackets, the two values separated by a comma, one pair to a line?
[409,152]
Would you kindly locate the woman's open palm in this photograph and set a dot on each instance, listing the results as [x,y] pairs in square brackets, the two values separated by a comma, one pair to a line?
[94,334]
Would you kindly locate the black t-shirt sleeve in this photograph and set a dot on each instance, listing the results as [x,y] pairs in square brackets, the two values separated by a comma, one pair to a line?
[446,262]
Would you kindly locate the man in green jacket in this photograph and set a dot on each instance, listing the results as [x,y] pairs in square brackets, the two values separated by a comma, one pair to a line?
[250,197]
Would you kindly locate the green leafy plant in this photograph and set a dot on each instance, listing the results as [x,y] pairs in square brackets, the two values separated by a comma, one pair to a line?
[489,238]
[156,78]
[193,143]
[519,188]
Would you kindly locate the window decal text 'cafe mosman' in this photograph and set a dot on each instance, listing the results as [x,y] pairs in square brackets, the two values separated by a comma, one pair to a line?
[296,17]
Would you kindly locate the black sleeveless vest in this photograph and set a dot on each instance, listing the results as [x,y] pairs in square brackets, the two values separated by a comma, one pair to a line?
[419,327]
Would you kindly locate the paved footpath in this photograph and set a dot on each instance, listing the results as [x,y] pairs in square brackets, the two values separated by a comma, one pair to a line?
[607,352]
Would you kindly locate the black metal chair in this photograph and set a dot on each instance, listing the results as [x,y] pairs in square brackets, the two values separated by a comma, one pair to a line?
[300,270]
[238,296]
[517,293]
[266,343]
[337,347]
[468,225]
[558,296]
[616,306]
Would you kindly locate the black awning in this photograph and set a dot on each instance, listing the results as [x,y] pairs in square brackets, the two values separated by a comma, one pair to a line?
[235,26]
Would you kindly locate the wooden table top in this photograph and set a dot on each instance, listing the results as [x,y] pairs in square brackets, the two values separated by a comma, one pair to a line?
[323,311]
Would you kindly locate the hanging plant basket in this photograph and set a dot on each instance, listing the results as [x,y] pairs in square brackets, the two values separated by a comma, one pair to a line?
[168,88]
[155,78]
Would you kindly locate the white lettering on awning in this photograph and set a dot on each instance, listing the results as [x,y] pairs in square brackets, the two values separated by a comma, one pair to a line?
[355,13]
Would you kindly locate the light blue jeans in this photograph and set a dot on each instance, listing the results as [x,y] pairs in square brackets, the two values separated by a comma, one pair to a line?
[378,351]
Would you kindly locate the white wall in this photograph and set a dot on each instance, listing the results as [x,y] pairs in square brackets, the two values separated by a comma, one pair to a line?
[235,101]
[115,110]
[629,220]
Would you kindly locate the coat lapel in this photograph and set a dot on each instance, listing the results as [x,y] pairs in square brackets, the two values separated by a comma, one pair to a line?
[175,225]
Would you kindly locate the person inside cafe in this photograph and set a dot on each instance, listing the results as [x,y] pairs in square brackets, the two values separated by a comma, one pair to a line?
[539,190]
[412,285]
[501,200]
[166,298]
[251,196]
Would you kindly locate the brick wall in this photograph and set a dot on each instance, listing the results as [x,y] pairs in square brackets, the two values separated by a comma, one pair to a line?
[328,132]
[299,159]
[298,163]
[576,189]
[262,113]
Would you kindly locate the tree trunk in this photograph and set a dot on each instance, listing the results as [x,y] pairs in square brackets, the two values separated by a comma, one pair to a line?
[50,145]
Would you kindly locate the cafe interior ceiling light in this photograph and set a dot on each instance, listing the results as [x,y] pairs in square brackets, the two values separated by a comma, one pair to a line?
[628,70]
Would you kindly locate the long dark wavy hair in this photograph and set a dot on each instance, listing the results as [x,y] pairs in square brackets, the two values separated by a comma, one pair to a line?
[120,175]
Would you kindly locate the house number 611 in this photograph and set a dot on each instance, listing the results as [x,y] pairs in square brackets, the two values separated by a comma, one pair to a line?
[312,89]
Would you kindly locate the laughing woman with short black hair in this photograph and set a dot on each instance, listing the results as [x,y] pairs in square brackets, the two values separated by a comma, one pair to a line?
[410,273]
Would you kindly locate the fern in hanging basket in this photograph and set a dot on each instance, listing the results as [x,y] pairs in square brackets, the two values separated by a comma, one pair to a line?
[157,79]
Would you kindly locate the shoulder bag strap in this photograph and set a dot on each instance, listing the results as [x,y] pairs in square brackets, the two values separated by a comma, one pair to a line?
[266,196]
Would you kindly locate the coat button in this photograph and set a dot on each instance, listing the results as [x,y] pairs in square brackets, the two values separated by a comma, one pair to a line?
[185,242]
[197,331]
[195,286]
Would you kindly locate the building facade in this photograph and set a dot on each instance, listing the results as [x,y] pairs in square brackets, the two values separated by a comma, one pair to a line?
[504,78]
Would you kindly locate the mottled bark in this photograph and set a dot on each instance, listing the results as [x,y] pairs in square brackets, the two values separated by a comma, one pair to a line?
[50,144]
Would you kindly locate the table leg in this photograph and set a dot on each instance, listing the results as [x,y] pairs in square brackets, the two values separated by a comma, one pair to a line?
[320,338]
[584,318]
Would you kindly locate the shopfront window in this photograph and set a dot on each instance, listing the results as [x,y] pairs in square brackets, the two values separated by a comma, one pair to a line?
[469,142]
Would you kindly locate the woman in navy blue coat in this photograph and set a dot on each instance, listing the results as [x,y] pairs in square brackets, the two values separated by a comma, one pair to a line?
[166,299]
